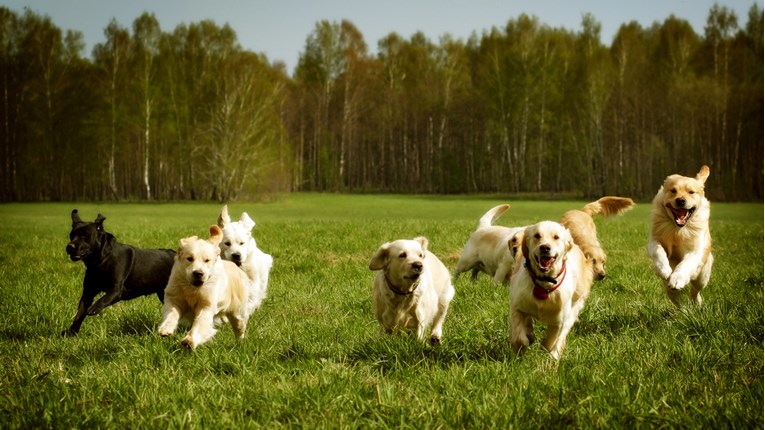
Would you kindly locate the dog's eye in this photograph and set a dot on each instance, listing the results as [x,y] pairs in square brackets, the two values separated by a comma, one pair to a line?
[537,236]
[228,243]
[402,255]
[422,255]
[556,237]
[691,192]
[241,243]
[190,259]
[673,191]
[207,260]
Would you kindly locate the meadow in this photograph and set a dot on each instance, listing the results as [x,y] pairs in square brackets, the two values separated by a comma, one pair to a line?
[314,355]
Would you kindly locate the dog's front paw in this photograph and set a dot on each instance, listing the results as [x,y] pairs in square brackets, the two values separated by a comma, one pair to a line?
[435,340]
[678,281]
[188,342]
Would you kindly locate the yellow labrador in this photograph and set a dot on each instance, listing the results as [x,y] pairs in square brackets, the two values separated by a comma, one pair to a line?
[412,289]
[202,287]
[582,228]
[550,284]
[490,249]
[680,244]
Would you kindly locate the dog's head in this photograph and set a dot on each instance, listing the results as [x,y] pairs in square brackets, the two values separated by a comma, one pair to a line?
[402,260]
[681,196]
[545,246]
[237,236]
[86,238]
[197,257]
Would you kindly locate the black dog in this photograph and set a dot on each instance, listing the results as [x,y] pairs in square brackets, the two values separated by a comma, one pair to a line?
[121,272]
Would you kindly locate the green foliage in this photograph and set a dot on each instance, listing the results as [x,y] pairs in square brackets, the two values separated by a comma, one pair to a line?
[188,114]
[314,356]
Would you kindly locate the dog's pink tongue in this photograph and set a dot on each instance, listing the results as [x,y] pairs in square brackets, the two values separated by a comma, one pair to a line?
[681,216]
[546,262]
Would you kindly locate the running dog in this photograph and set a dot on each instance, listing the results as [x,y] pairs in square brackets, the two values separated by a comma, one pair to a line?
[550,284]
[582,228]
[239,247]
[680,244]
[491,249]
[412,289]
[203,287]
[121,272]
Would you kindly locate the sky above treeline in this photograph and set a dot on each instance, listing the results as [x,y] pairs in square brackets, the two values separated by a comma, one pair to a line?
[279,29]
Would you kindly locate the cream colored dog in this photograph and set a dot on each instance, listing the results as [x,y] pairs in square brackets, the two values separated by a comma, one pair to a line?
[680,244]
[202,287]
[490,249]
[412,289]
[550,284]
[239,247]
[582,228]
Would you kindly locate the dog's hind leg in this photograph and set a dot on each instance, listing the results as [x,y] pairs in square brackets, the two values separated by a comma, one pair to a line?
[238,324]
[108,299]
[701,282]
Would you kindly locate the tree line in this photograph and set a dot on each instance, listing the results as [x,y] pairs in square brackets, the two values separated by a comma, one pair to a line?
[190,114]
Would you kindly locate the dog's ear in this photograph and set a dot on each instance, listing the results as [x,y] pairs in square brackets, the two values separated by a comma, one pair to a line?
[223,218]
[75,217]
[703,174]
[568,240]
[423,241]
[100,222]
[187,240]
[246,221]
[380,259]
[525,242]
[216,235]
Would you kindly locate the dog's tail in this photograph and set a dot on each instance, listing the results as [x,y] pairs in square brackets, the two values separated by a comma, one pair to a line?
[608,206]
[487,220]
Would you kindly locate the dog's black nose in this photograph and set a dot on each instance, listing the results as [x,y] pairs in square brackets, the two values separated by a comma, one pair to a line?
[417,266]
[544,248]
[680,202]
[70,248]
[197,274]
[236,256]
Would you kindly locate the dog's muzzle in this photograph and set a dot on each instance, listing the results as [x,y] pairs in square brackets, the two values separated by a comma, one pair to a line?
[73,252]
[197,278]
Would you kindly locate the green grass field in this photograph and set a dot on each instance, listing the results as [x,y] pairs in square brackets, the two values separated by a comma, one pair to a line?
[315,357]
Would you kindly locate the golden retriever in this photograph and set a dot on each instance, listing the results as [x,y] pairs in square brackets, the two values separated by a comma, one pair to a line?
[490,249]
[550,284]
[680,244]
[202,287]
[412,289]
[582,228]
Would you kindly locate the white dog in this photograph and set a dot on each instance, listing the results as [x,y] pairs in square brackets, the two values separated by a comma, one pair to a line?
[490,249]
[550,284]
[239,247]
[202,287]
[412,289]
[680,244]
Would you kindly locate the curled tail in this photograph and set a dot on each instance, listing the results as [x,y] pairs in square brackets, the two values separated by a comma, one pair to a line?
[487,220]
[608,206]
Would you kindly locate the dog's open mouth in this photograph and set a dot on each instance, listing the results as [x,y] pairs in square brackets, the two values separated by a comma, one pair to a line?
[413,277]
[681,215]
[545,263]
